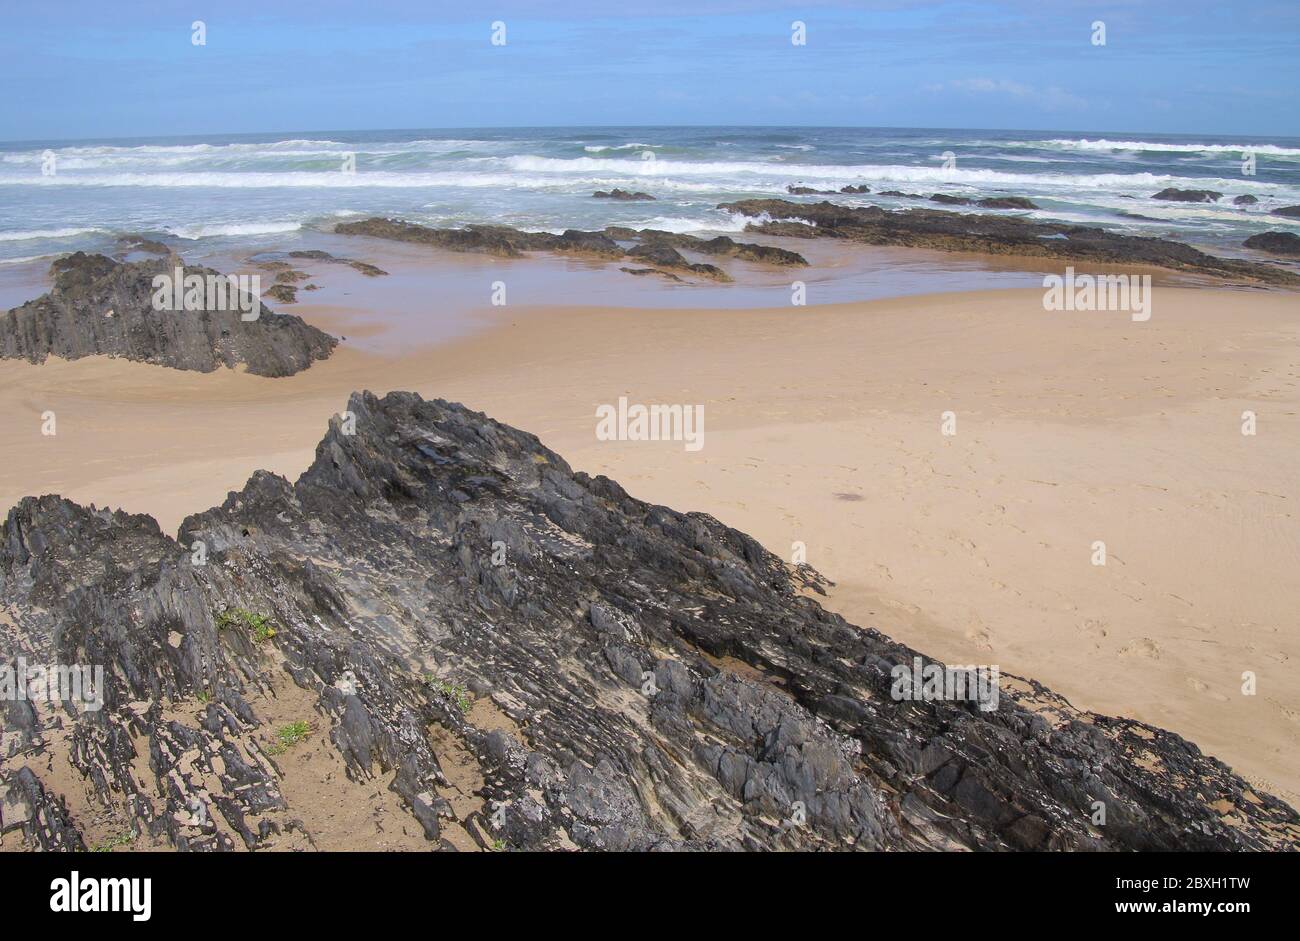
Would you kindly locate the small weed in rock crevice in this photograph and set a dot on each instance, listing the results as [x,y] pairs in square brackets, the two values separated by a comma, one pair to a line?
[286,736]
[118,839]
[260,627]
[454,693]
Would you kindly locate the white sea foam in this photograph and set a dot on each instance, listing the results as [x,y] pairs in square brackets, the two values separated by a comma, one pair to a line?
[1155,147]
[723,222]
[46,234]
[601,148]
[247,228]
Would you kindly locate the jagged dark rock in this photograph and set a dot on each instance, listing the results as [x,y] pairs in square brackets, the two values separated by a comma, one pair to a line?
[855,190]
[1174,194]
[622,195]
[663,255]
[990,234]
[951,200]
[1246,200]
[724,246]
[808,191]
[1277,243]
[98,306]
[447,593]
[500,240]
[481,239]
[26,807]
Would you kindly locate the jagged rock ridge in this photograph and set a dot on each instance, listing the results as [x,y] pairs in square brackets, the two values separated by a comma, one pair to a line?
[98,306]
[446,592]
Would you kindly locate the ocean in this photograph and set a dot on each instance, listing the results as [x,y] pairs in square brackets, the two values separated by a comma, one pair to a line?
[249,190]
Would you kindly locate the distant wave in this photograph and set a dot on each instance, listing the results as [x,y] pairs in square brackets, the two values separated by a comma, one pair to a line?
[1085,144]
[46,234]
[813,173]
[541,173]
[24,259]
[601,148]
[250,228]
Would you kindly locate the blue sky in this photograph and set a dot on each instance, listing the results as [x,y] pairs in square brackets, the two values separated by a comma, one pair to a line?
[75,70]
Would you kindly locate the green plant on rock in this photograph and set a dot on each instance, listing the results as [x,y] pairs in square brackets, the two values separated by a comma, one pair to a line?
[454,693]
[287,736]
[118,839]
[259,626]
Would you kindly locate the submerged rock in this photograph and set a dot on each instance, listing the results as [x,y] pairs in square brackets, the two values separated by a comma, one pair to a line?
[1006,202]
[1246,200]
[622,195]
[642,272]
[1188,196]
[530,655]
[369,270]
[283,292]
[1292,212]
[98,306]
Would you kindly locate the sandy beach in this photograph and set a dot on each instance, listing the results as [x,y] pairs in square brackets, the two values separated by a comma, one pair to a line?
[824,426]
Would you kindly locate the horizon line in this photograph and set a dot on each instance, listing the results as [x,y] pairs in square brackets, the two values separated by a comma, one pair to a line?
[534,127]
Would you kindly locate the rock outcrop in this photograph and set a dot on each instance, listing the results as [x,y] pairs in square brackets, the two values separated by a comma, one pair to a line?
[663,255]
[655,247]
[1276,243]
[98,306]
[991,234]
[528,657]
[1006,202]
[1174,194]
[623,196]
[1291,212]
[722,245]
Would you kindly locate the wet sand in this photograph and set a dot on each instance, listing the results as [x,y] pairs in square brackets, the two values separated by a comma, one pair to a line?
[823,426]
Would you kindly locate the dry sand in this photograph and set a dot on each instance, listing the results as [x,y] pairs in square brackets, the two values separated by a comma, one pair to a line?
[823,426]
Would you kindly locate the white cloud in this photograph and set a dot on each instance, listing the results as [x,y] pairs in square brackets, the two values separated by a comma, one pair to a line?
[1051,98]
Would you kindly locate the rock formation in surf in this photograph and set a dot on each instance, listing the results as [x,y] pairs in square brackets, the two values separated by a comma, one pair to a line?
[990,234]
[655,247]
[1276,243]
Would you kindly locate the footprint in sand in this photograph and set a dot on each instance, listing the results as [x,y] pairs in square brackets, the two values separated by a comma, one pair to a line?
[979,634]
[1095,629]
[1145,647]
[1204,688]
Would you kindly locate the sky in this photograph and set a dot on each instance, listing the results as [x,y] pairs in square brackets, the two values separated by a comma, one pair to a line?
[130,68]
